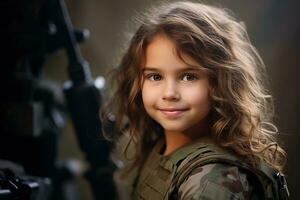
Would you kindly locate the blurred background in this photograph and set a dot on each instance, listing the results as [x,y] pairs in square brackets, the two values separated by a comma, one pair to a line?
[274,29]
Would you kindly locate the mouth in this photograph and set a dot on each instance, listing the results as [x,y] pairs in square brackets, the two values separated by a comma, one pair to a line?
[172,112]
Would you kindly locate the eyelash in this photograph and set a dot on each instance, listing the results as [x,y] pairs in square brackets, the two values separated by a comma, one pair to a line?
[191,75]
[152,75]
[158,77]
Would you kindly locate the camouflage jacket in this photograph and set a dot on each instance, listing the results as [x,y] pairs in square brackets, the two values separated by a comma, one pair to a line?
[213,181]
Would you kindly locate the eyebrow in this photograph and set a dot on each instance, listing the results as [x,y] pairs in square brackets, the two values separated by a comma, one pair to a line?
[190,68]
[146,68]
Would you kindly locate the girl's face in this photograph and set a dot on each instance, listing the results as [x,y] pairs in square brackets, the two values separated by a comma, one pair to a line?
[175,94]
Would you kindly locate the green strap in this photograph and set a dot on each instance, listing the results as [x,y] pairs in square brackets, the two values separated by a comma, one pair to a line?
[195,148]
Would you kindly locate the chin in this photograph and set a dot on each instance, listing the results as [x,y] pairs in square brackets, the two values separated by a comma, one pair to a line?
[174,129]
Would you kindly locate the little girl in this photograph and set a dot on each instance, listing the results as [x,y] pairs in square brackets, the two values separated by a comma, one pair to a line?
[191,106]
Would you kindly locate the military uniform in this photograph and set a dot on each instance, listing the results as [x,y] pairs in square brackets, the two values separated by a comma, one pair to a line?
[179,176]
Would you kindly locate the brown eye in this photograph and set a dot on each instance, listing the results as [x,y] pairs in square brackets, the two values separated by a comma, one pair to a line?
[189,77]
[154,77]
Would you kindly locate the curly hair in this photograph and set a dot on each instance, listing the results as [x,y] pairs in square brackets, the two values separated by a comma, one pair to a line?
[242,108]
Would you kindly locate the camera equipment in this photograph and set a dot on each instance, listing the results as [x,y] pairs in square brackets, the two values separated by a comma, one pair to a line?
[21,187]
[32,114]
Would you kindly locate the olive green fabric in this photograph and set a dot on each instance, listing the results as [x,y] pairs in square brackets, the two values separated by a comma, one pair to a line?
[209,182]
[199,170]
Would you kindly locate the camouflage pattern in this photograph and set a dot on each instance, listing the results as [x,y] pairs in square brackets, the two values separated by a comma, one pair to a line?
[199,170]
[216,181]
[211,181]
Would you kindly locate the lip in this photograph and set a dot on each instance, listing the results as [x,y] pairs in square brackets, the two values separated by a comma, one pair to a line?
[172,112]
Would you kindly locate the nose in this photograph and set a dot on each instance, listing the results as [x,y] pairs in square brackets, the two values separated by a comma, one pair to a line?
[171,91]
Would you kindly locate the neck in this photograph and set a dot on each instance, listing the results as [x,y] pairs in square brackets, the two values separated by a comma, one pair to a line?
[175,140]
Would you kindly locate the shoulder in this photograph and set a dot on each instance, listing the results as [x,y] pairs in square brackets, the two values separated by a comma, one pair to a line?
[216,182]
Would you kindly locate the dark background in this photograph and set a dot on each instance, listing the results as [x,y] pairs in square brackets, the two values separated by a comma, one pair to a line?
[273,26]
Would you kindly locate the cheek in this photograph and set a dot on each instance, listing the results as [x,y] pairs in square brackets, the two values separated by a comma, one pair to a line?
[148,95]
[199,97]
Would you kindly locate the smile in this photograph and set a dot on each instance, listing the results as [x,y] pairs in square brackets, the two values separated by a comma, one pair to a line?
[172,112]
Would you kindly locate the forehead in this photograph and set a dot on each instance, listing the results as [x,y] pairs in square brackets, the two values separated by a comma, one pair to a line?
[162,52]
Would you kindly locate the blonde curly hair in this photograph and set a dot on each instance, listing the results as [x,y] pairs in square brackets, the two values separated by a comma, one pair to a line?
[241,106]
